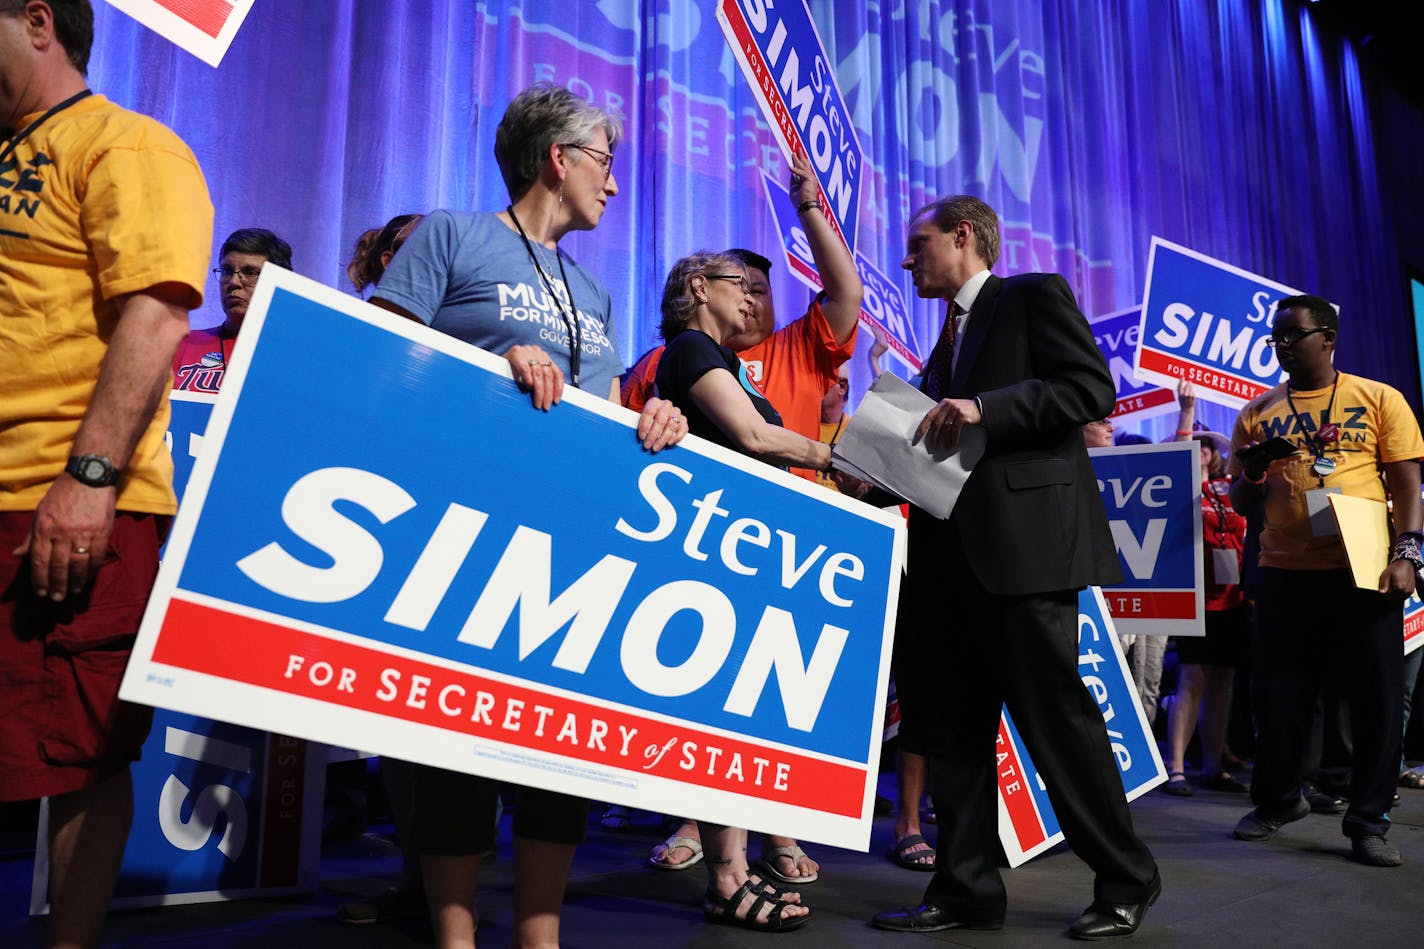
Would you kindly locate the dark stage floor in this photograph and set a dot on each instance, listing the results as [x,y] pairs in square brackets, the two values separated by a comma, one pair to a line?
[1298,890]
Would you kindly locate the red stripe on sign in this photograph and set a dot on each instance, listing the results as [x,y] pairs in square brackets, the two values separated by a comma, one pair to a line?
[1146,400]
[1151,604]
[1200,375]
[210,16]
[1014,792]
[766,82]
[353,676]
[282,826]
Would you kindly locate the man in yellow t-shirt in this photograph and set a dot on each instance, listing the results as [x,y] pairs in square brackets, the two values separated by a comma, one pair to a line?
[105,227]
[1357,437]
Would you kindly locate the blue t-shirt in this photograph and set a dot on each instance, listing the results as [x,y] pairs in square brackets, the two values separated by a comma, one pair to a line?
[471,276]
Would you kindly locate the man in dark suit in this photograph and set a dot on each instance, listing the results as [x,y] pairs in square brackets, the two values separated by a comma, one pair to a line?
[992,592]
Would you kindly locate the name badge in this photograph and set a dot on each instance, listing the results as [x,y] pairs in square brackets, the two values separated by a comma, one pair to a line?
[1322,519]
[1323,465]
[1225,567]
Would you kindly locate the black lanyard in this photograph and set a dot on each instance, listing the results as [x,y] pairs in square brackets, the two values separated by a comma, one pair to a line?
[1316,444]
[571,323]
[15,140]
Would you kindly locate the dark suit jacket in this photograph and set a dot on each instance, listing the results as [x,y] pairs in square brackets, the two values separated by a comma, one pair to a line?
[1030,518]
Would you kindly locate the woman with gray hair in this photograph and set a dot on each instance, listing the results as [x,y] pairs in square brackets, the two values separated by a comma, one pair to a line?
[501,282]
[707,300]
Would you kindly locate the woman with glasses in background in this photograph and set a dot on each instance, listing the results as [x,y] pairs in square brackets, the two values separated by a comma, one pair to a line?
[706,301]
[202,357]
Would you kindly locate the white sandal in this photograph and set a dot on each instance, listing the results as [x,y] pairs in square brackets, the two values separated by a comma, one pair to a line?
[671,844]
[793,853]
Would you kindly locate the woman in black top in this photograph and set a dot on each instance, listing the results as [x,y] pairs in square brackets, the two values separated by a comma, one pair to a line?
[707,299]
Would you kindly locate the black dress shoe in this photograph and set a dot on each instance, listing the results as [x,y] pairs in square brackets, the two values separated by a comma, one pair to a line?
[1109,920]
[927,918]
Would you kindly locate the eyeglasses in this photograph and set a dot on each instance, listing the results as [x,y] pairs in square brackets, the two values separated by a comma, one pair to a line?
[247,276]
[741,280]
[604,159]
[1290,337]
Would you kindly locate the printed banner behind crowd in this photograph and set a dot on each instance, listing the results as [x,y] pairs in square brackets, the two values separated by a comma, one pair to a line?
[426,566]
[1027,824]
[1208,322]
[1117,335]
[1153,498]
[794,81]
[884,305]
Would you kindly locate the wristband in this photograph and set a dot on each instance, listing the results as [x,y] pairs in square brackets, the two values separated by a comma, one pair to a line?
[1183,432]
[1406,547]
[807,205]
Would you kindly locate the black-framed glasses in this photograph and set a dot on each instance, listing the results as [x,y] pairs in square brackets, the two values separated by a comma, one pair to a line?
[740,278]
[604,159]
[1290,337]
[247,276]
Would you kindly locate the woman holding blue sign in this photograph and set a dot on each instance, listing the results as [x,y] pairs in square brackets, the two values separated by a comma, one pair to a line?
[707,300]
[500,281]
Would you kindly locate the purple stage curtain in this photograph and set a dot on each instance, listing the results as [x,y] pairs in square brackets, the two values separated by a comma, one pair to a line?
[1236,129]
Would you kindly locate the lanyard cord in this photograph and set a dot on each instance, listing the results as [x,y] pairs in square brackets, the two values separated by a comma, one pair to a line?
[571,323]
[1315,443]
[15,140]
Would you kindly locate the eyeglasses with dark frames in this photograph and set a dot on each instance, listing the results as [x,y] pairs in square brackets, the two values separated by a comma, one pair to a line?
[1289,338]
[604,159]
[740,278]
[247,276]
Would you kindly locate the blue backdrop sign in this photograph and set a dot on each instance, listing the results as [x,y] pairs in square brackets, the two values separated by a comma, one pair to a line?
[1027,824]
[1116,335]
[1208,322]
[1153,498]
[425,565]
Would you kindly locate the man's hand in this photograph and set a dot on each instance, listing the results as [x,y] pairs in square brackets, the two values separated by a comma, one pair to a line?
[536,374]
[69,538]
[1397,581]
[940,428]
[660,425]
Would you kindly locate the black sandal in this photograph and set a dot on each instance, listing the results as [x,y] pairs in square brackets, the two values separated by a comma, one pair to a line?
[723,910]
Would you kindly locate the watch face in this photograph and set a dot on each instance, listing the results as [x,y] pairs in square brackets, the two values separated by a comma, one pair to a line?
[93,470]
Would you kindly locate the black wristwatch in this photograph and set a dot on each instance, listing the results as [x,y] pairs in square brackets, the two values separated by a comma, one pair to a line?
[94,470]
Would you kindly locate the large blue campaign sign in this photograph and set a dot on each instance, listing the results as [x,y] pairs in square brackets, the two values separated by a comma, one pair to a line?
[1153,498]
[1027,823]
[1208,322]
[426,566]
[1116,335]
[781,56]
[186,424]
[883,307]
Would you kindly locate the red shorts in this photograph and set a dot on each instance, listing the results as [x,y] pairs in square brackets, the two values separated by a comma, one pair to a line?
[62,726]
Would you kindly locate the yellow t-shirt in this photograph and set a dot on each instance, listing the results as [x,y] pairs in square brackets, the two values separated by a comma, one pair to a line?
[1376,428]
[96,203]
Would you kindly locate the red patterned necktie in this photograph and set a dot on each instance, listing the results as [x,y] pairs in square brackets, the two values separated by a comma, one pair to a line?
[941,365]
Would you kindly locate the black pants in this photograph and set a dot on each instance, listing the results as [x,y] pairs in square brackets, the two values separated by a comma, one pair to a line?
[1315,627]
[985,652]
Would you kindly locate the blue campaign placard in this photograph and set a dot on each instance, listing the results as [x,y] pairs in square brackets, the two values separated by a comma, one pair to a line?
[1027,824]
[1152,494]
[883,306]
[428,549]
[781,56]
[1116,335]
[186,424]
[1208,322]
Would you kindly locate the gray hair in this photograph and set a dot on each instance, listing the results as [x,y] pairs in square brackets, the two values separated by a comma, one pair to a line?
[679,302]
[947,212]
[540,117]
